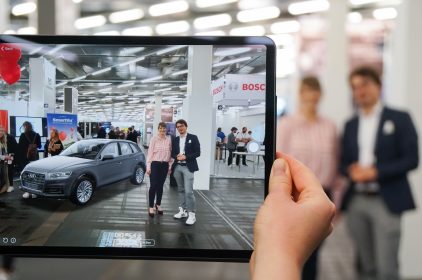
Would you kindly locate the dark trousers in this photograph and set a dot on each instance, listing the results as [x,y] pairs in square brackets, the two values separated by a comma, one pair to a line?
[241,149]
[11,171]
[157,178]
[230,160]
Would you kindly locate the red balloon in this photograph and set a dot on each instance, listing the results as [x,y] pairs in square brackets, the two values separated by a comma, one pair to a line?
[10,53]
[11,73]
[62,135]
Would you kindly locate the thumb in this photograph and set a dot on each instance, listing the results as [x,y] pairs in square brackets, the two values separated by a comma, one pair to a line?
[280,178]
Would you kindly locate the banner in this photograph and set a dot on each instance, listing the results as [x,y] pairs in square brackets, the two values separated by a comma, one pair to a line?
[4,120]
[66,124]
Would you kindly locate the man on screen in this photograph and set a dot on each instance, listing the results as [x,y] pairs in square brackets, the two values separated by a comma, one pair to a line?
[185,150]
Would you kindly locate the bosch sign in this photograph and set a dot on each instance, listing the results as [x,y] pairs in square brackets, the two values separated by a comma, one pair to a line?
[253,87]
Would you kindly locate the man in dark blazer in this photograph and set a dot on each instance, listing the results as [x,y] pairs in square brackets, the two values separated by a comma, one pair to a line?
[185,150]
[379,148]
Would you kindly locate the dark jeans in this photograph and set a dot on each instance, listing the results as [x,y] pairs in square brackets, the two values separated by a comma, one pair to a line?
[230,160]
[241,149]
[157,178]
[11,171]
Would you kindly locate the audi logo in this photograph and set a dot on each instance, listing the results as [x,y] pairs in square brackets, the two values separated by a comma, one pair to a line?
[31,175]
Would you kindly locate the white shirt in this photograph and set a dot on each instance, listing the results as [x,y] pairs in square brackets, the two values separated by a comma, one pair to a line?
[182,141]
[241,136]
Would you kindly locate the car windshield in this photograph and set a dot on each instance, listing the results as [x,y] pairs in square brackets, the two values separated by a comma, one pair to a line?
[83,149]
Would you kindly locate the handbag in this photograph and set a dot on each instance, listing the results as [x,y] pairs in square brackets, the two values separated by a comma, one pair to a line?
[32,152]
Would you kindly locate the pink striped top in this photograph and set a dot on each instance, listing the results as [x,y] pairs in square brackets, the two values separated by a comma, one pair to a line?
[159,150]
[314,143]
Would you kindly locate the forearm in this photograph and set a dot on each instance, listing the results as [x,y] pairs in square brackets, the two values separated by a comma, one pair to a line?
[271,265]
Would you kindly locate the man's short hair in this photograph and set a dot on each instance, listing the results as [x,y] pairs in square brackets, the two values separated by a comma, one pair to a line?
[162,124]
[367,72]
[182,121]
[233,128]
[311,82]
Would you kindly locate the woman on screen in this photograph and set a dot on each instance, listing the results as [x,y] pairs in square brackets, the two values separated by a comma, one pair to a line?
[159,162]
[53,146]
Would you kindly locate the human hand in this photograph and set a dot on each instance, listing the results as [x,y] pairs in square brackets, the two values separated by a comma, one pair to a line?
[361,174]
[169,172]
[181,157]
[295,217]
[148,171]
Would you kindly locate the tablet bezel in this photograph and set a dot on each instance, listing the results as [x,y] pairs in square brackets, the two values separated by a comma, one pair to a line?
[161,253]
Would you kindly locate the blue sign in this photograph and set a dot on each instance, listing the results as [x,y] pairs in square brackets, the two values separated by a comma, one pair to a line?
[66,125]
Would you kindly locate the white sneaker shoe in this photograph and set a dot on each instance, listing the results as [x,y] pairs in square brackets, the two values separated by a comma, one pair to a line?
[182,214]
[28,195]
[191,219]
[10,189]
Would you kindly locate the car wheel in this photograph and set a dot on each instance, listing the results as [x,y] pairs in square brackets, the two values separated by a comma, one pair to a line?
[138,175]
[83,190]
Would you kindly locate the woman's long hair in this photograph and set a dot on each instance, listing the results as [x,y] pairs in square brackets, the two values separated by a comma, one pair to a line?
[3,139]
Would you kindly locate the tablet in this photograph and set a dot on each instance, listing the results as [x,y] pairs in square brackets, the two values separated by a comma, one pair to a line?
[213,94]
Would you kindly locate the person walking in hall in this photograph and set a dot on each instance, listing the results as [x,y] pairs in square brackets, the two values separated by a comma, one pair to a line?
[231,145]
[159,163]
[29,143]
[379,148]
[132,136]
[312,139]
[221,135]
[185,150]
[11,149]
[242,139]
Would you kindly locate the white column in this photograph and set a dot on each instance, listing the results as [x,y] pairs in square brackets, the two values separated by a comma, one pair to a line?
[66,14]
[4,16]
[157,113]
[405,76]
[198,110]
[42,91]
[336,102]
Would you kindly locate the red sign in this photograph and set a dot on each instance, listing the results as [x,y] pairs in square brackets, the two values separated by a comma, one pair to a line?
[4,119]
[253,87]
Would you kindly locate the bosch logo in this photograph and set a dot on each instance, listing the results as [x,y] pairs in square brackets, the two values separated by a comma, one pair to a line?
[233,86]
[253,86]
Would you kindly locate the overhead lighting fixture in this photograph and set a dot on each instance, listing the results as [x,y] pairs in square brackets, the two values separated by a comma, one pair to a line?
[24,8]
[56,49]
[151,79]
[177,73]
[107,33]
[385,13]
[163,89]
[363,2]
[253,4]
[211,33]
[138,31]
[61,84]
[133,101]
[87,92]
[232,61]
[100,71]
[131,61]
[142,93]
[212,3]
[27,30]
[172,27]
[10,31]
[354,17]
[77,1]
[171,49]
[122,96]
[78,78]
[231,51]
[289,26]
[23,68]
[127,15]
[258,14]
[168,8]
[255,30]
[212,21]
[183,86]
[307,7]
[90,22]
[108,89]
[131,50]
[126,85]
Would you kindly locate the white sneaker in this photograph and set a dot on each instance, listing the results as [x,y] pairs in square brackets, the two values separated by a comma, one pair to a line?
[10,189]
[182,214]
[33,195]
[26,195]
[191,219]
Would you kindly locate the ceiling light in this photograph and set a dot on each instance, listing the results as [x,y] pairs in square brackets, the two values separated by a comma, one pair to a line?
[168,8]
[363,2]
[289,26]
[108,89]
[152,79]
[232,61]
[212,21]
[24,8]
[256,30]
[163,89]
[131,61]
[307,7]
[61,84]
[142,93]
[77,1]
[211,3]
[179,73]
[78,78]
[171,49]
[253,4]
[128,15]
[211,33]
[183,86]
[231,51]
[133,101]
[138,31]
[108,33]
[131,50]
[122,96]
[172,27]
[90,22]
[125,85]
[10,31]
[27,30]
[385,13]
[100,71]
[354,17]
[258,14]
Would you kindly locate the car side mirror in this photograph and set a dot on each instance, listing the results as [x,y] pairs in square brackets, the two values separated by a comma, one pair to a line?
[107,157]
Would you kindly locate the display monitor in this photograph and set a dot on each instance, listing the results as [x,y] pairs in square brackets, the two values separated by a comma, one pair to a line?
[97,198]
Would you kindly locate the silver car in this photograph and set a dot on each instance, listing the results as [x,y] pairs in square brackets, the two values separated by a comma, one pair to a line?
[83,167]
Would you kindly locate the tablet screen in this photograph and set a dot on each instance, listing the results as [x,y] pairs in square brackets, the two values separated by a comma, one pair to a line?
[167,145]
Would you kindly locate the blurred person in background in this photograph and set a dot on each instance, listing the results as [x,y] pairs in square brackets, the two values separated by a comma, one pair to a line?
[54,145]
[379,148]
[221,135]
[10,149]
[231,145]
[29,142]
[312,139]
[242,139]
[132,136]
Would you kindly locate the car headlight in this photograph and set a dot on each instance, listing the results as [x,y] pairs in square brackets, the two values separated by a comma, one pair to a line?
[59,175]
